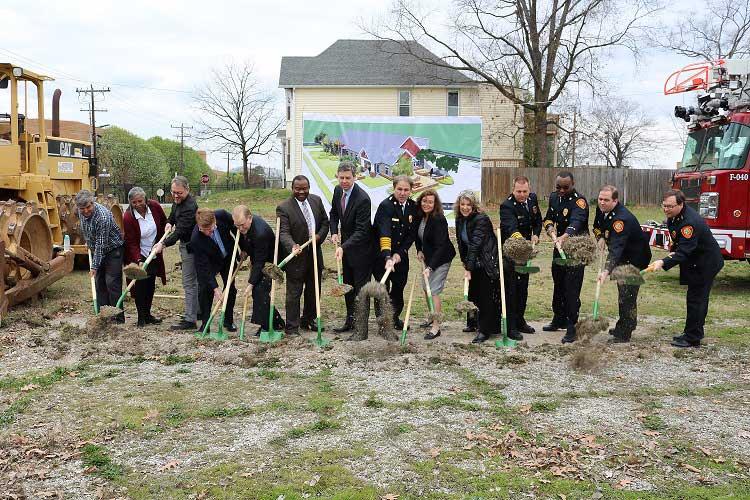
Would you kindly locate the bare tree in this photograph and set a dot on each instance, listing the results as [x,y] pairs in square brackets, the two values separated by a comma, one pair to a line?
[237,114]
[719,30]
[543,45]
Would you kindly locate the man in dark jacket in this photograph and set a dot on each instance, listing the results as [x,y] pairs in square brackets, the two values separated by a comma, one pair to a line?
[182,219]
[350,208]
[567,215]
[695,250]
[520,217]
[212,243]
[256,241]
[619,229]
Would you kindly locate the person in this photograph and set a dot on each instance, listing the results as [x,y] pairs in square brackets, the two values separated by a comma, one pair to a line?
[257,241]
[477,246]
[143,224]
[520,217]
[394,228]
[301,214]
[695,250]
[350,208]
[182,219]
[617,228]
[567,215]
[105,242]
[211,244]
[434,250]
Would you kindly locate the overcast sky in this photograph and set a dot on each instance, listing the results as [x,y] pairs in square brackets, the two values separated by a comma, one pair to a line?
[153,54]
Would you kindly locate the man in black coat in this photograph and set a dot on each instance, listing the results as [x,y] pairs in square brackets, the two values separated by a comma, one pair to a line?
[257,242]
[395,227]
[619,229]
[695,250]
[301,214]
[567,215]
[350,208]
[211,244]
[520,217]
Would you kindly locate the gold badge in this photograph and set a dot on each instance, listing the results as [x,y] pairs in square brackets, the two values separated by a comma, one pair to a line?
[581,203]
[687,231]
[565,212]
[606,234]
[618,226]
[674,234]
[410,219]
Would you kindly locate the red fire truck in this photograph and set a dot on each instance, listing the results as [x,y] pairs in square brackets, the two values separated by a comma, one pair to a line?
[715,172]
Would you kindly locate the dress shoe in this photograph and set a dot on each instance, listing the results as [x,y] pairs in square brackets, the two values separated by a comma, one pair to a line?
[312,326]
[141,323]
[398,324]
[260,329]
[619,339]
[612,331]
[183,325]
[515,335]
[683,342]
[294,332]
[230,327]
[678,337]
[356,337]
[120,318]
[346,327]
[481,337]
[152,320]
[552,327]
[526,328]
[469,329]
[425,324]
[569,337]
[431,336]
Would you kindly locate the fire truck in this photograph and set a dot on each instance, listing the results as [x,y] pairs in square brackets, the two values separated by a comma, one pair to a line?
[715,173]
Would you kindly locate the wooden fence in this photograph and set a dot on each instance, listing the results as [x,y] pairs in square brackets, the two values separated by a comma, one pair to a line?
[636,186]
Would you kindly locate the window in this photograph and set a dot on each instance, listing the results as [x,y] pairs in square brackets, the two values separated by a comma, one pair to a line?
[404,103]
[289,100]
[453,103]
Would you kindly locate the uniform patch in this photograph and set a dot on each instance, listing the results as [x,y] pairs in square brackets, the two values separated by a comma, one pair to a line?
[565,212]
[535,209]
[674,235]
[581,203]
[687,231]
[618,226]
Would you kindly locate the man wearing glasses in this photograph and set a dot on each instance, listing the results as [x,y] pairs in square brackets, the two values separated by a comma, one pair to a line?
[182,219]
[699,257]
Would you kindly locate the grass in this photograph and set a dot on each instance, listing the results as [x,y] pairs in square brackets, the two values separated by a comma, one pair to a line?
[93,455]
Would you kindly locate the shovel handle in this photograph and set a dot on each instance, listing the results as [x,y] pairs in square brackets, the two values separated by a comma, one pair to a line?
[466,288]
[408,314]
[385,276]
[93,285]
[649,269]
[293,254]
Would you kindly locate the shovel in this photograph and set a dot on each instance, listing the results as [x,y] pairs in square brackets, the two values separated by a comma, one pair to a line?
[341,288]
[271,335]
[203,334]
[505,341]
[319,340]
[562,260]
[140,272]
[244,315]
[221,335]
[466,305]
[528,268]
[638,280]
[275,271]
[408,312]
[93,286]
[432,315]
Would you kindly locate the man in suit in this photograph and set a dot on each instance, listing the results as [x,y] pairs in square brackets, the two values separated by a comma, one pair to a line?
[257,242]
[617,228]
[520,217]
[300,215]
[211,244]
[350,208]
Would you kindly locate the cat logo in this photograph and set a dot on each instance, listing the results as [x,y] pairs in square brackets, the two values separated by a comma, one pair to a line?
[618,226]
[581,203]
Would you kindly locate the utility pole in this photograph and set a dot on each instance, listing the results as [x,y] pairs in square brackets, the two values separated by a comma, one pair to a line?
[574,138]
[92,117]
[182,128]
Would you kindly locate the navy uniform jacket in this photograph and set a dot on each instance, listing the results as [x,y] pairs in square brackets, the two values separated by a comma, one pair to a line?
[627,242]
[569,214]
[394,230]
[516,221]
[208,258]
[694,247]
[258,244]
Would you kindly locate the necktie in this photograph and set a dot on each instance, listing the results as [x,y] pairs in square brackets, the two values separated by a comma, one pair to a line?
[403,209]
[526,206]
[308,218]
[343,203]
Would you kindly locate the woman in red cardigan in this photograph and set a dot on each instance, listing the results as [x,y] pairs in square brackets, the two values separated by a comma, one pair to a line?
[143,224]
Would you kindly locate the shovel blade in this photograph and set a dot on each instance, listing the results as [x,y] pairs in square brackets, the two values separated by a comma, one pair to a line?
[319,340]
[271,336]
[527,269]
[505,341]
[560,261]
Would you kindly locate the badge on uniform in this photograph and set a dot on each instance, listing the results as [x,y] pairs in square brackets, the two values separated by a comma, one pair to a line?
[674,235]
[687,231]
[410,219]
[535,209]
[618,226]
[565,212]
[581,203]
[606,234]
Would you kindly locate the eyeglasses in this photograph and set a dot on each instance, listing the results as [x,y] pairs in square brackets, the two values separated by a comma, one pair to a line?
[178,193]
[667,207]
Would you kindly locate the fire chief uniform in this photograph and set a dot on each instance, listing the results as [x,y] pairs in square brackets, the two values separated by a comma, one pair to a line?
[521,220]
[395,227]
[569,215]
[627,244]
[699,257]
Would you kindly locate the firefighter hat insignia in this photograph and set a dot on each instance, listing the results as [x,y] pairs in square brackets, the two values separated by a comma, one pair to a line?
[687,231]
[618,226]
[565,212]
[581,203]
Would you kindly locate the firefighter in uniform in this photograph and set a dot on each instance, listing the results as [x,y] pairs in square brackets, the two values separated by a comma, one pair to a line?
[520,217]
[395,227]
[567,215]
[617,228]
[699,257]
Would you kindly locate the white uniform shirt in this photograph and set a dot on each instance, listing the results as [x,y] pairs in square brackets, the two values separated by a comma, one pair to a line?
[148,230]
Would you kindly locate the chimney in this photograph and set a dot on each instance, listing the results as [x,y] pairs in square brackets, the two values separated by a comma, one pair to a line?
[56,113]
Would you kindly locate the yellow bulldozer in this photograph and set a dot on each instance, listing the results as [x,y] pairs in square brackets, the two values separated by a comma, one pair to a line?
[39,177]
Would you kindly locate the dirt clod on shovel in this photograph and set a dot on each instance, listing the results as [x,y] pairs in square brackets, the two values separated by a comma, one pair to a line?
[625,273]
[384,310]
[466,306]
[103,320]
[519,250]
[273,271]
[581,249]
[134,272]
[341,290]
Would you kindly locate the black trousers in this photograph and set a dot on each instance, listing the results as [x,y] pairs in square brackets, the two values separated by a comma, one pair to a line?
[510,281]
[395,284]
[143,294]
[483,292]
[108,279]
[206,297]
[521,297]
[262,305]
[295,287]
[627,302]
[357,277]
[566,296]
[697,309]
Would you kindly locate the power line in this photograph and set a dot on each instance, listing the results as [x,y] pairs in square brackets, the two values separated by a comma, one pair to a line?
[92,116]
[182,128]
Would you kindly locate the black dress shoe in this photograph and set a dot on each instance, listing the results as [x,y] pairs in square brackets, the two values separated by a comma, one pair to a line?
[515,335]
[183,325]
[425,324]
[678,337]
[346,327]
[292,333]
[683,342]
[619,339]
[260,329]
[480,338]
[152,320]
[431,336]
[230,327]
[141,323]
[398,324]
[312,326]
[469,329]
[612,331]
[552,327]
[120,318]
[569,338]
[526,328]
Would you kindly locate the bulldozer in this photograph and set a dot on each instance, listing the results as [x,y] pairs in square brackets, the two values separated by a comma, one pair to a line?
[40,174]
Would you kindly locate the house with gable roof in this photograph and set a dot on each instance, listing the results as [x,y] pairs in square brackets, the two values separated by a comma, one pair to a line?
[375,78]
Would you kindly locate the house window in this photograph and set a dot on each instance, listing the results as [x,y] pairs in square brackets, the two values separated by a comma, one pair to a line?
[404,103]
[453,103]
[289,100]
